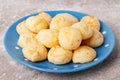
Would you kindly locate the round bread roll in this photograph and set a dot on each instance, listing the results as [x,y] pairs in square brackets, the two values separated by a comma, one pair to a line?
[91,21]
[26,40]
[35,53]
[36,23]
[69,38]
[22,29]
[95,41]
[83,54]
[62,20]
[48,37]
[45,16]
[85,30]
[59,55]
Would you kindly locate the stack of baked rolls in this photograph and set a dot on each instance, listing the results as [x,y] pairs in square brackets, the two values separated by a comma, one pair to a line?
[60,39]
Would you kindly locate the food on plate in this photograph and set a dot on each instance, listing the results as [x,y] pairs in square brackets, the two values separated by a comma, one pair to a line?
[59,39]
[26,40]
[91,21]
[36,23]
[83,54]
[45,16]
[86,30]
[59,55]
[96,40]
[69,38]
[48,37]
[62,20]
[22,29]
[35,53]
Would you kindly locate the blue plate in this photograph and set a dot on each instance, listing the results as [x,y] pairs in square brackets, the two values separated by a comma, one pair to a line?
[11,38]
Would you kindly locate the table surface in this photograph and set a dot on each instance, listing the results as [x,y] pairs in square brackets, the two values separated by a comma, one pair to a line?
[106,10]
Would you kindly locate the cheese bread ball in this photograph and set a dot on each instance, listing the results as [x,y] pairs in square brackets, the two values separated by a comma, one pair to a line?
[86,31]
[96,40]
[62,20]
[59,55]
[83,54]
[48,37]
[91,21]
[45,16]
[22,29]
[69,38]
[36,23]
[35,53]
[26,40]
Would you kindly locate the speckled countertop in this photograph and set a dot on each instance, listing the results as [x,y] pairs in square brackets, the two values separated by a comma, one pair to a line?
[106,10]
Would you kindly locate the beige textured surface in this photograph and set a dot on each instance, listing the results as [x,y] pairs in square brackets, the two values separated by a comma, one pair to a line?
[106,10]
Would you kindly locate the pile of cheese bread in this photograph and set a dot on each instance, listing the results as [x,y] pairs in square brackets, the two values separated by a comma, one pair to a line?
[60,39]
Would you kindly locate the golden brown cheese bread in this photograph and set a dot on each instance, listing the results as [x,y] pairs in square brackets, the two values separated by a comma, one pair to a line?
[83,54]
[35,53]
[45,16]
[63,34]
[95,41]
[91,21]
[86,30]
[59,55]
[48,37]
[36,23]
[69,38]
[26,40]
[62,20]
[22,29]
